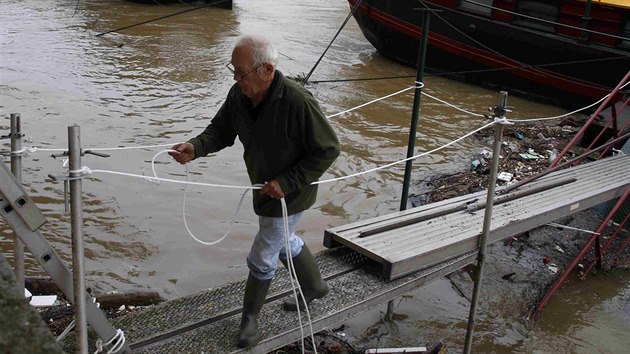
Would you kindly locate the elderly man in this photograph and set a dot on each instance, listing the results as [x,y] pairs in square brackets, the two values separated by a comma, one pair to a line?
[288,144]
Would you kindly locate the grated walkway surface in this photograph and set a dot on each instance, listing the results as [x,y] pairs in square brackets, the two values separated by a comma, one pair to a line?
[355,288]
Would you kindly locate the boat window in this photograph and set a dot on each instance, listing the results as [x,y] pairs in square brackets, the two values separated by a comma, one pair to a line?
[475,7]
[537,10]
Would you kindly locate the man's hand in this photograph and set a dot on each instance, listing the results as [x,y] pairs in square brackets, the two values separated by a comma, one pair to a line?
[183,153]
[273,190]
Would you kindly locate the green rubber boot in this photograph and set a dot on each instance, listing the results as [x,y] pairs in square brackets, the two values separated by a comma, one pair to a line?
[311,282]
[255,293]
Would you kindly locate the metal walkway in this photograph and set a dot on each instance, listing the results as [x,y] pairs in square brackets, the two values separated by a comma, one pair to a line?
[441,235]
[208,322]
[410,240]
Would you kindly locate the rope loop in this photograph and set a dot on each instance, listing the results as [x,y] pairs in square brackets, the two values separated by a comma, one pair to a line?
[117,342]
[502,120]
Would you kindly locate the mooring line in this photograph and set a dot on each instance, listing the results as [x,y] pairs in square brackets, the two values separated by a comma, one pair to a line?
[162,17]
[570,113]
[418,85]
[354,9]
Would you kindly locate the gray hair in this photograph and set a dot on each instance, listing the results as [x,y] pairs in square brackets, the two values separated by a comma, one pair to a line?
[263,52]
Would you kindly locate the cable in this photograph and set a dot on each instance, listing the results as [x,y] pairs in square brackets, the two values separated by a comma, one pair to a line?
[162,17]
[354,8]
[567,114]
[418,85]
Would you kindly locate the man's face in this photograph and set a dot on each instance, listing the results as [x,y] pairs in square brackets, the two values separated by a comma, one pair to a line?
[253,81]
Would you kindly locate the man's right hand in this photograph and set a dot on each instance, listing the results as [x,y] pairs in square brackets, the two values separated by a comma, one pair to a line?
[183,153]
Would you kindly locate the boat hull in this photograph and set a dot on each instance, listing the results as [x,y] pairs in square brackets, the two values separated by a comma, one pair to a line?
[227,4]
[499,54]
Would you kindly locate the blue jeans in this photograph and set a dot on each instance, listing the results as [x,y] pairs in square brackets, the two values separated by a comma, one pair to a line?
[269,245]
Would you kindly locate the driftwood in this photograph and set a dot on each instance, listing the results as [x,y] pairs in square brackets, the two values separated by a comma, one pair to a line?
[41,286]
[133,298]
[45,286]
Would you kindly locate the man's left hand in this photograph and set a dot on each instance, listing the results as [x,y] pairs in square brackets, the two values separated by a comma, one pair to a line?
[272,189]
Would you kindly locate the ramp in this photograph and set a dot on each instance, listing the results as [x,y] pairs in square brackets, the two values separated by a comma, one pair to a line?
[410,240]
[208,322]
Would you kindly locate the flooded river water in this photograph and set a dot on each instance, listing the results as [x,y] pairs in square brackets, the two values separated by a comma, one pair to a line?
[161,83]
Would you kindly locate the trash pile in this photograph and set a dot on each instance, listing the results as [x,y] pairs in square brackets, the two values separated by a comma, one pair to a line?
[525,151]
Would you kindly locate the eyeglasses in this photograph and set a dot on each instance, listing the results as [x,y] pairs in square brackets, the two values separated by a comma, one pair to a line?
[237,74]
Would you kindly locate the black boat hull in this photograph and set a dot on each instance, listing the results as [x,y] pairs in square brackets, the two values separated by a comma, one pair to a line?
[502,55]
[225,4]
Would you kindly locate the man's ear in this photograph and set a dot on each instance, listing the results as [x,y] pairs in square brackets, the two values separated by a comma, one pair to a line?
[268,68]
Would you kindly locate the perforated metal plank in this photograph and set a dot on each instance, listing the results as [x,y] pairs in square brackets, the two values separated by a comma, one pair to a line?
[440,236]
[172,318]
[350,294]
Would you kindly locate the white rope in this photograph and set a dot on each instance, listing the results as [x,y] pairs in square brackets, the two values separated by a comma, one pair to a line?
[229,230]
[119,337]
[131,147]
[294,279]
[571,228]
[65,332]
[405,160]
[418,85]
[33,149]
[85,170]
[453,106]
[160,179]
[570,113]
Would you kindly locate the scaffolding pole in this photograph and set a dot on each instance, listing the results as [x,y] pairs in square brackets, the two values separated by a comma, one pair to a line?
[487,219]
[16,169]
[76,210]
[560,280]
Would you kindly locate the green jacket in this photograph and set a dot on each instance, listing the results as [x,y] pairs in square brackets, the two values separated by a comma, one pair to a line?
[289,140]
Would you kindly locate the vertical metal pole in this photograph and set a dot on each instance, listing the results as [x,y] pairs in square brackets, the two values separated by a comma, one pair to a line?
[76,210]
[411,145]
[16,169]
[587,247]
[586,19]
[487,218]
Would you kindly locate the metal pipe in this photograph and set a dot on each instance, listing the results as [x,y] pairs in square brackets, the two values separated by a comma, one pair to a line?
[581,254]
[487,219]
[76,209]
[625,243]
[411,145]
[625,127]
[586,20]
[610,125]
[416,108]
[16,169]
[608,244]
[468,205]
[567,163]
[599,110]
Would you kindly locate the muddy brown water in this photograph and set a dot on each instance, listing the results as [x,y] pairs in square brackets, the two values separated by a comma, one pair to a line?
[160,83]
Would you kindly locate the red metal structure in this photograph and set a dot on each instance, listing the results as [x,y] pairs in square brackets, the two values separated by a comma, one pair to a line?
[602,143]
